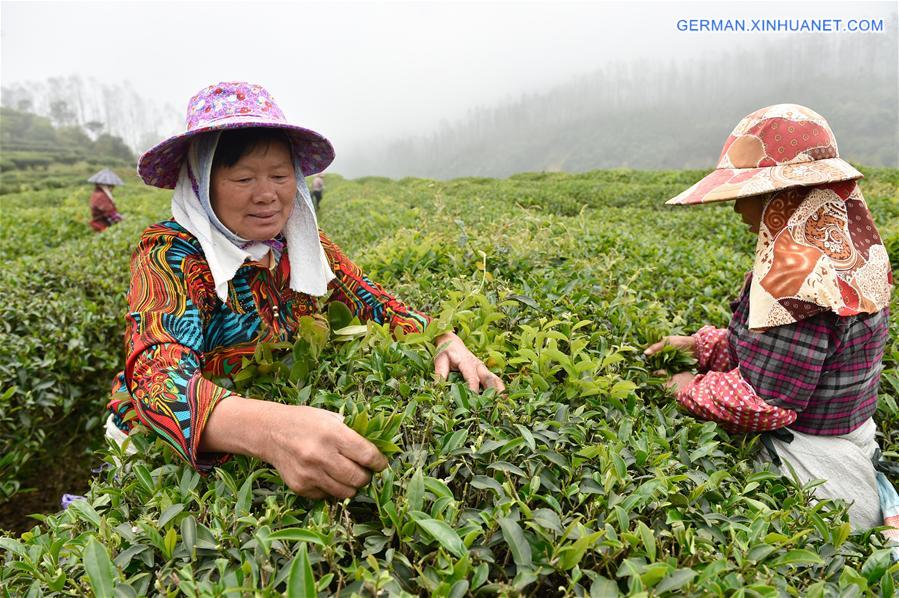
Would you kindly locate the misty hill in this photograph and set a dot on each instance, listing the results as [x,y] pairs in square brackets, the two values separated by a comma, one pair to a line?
[662,114]
[113,108]
[35,154]
[28,140]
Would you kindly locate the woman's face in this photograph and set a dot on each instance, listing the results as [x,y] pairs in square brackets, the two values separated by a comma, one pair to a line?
[750,210]
[255,197]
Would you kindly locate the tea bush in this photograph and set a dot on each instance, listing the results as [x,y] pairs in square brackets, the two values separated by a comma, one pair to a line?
[584,478]
[61,317]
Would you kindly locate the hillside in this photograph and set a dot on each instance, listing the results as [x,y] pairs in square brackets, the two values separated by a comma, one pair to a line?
[36,154]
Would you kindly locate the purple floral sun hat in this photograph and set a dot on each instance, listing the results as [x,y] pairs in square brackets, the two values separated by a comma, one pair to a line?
[231,105]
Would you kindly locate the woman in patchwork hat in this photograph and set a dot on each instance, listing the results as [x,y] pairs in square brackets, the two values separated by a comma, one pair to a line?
[240,262]
[802,355]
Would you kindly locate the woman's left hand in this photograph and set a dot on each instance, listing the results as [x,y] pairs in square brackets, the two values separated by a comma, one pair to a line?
[456,356]
[678,382]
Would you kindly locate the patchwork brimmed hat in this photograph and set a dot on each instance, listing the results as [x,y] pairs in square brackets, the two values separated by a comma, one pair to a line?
[231,105]
[781,146]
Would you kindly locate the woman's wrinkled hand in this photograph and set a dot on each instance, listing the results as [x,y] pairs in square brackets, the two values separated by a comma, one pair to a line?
[456,356]
[317,455]
[687,343]
[678,382]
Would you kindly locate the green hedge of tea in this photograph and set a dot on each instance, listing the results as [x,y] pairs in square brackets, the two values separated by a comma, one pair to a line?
[61,317]
[585,478]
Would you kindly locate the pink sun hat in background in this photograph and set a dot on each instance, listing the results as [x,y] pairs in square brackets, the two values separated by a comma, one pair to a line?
[231,105]
[781,146]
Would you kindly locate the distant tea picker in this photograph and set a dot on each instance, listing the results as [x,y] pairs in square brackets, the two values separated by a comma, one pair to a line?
[103,209]
[318,190]
[801,359]
[242,261]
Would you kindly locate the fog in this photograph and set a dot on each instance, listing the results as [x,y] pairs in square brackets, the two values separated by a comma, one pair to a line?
[380,79]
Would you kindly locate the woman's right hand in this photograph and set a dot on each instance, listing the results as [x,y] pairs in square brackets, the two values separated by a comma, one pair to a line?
[317,454]
[687,343]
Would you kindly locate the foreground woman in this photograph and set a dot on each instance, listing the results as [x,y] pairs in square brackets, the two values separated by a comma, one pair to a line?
[240,262]
[803,353]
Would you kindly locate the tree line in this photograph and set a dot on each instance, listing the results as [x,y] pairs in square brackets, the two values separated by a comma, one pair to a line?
[116,109]
[29,140]
[661,113]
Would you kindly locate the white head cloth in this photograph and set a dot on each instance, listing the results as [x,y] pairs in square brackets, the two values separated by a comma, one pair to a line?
[192,209]
[107,190]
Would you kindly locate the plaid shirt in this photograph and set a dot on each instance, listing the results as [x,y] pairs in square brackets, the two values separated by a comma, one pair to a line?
[818,376]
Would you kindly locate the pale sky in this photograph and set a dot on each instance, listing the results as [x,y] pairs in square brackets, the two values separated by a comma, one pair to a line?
[358,71]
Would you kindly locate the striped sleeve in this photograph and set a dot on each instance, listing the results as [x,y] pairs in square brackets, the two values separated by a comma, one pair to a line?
[164,340]
[366,299]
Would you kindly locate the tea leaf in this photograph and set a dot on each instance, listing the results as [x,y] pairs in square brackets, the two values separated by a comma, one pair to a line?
[99,568]
[301,582]
[296,534]
[518,544]
[444,534]
[799,556]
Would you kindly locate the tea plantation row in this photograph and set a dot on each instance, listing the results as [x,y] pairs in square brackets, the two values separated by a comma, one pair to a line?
[583,479]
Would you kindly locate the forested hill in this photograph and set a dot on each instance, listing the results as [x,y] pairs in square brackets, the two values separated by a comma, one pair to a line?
[36,154]
[115,108]
[28,139]
[661,114]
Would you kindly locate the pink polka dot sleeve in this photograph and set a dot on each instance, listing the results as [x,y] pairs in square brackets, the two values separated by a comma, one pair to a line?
[711,350]
[726,398]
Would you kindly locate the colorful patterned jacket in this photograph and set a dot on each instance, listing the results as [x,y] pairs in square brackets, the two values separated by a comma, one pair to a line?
[179,334]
